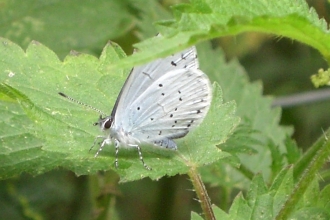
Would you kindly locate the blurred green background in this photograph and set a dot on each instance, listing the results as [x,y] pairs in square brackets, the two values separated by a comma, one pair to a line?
[283,65]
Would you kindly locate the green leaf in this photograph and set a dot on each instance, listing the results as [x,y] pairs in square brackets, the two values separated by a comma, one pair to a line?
[240,209]
[304,173]
[85,27]
[258,204]
[64,128]
[219,213]
[311,213]
[195,216]
[149,12]
[281,187]
[324,200]
[293,152]
[259,141]
[267,203]
[257,188]
[206,19]
[20,148]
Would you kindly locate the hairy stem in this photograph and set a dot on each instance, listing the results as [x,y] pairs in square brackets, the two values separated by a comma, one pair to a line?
[201,192]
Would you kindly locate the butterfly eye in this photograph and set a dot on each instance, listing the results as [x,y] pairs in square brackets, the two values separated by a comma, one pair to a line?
[107,123]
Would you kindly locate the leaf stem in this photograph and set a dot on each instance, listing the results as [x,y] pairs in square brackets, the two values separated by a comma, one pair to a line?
[201,193]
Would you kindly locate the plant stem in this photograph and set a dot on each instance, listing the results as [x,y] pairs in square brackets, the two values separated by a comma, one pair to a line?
[201,192]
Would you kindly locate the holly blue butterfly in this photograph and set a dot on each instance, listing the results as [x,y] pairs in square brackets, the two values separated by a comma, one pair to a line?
[160,101]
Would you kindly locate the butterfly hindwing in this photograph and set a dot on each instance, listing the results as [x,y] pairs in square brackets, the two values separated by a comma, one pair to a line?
[169,107]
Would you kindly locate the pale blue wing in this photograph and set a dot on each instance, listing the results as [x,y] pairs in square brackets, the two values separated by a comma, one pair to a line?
[141,77]
[170,106]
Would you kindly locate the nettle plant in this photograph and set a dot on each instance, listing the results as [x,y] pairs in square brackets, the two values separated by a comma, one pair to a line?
[239,148]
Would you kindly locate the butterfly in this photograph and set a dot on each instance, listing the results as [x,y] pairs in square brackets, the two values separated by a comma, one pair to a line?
[159,102]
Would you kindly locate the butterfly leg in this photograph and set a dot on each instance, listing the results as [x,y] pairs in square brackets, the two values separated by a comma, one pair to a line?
[98,137]
[99,150]
[104,142]
[141,157]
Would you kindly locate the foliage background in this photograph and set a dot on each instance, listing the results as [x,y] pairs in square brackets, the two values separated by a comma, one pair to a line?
[284,67]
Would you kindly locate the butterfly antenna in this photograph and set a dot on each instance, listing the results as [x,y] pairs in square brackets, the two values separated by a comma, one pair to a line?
[80,103]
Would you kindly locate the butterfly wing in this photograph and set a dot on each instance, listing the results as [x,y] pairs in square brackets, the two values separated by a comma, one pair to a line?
[172,105]
[142,77]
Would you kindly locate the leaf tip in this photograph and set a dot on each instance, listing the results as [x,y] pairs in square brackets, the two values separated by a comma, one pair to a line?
[36,43]
[74,53]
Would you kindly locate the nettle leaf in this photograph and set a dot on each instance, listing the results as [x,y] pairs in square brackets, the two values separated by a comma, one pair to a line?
[78,26]
[281,187]
[207,19]
[20,148]
[254,108]
[289,196]
[149,11]
[218,214]
[195,216]
[324,200]
[258,143]
[62,131]
[262,202]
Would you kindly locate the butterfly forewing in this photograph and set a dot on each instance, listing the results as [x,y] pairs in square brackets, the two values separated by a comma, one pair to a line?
[142,77]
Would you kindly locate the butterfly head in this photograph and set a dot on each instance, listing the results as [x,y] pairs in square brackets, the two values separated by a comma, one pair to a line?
[104,122]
